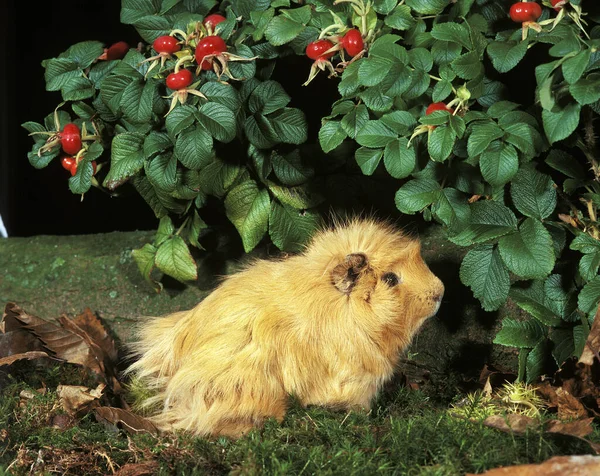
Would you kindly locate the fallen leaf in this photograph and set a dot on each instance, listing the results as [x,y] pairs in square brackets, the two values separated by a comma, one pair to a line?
[580,465]
[132,423]
[76,399]
[569,407]
[577,428]
[137,469]
[512,423]
[15,340]
[29,355]
[93,327]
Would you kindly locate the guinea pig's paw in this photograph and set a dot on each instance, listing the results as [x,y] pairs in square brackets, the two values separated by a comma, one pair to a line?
[345,275]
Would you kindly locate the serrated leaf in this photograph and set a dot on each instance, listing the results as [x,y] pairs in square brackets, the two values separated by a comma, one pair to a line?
[575,66]
[454,32]
[375,134]
[529,253]
[282,30]
[144,258]
[585,243]
[82,181]
[399,159]
[248,208]
[300,197]
[427,7]
[59,71]
[468,66]
[179,119]
[519,334]
[561,124]
[217,177]
[162,172]
[489,220]
[354,120]
[368,159]
[536,360]
[291,229]
[290,125]
[77,89]
[136,101]
[417,194]
[165,230]
[533,193]
[589,297]
[482,136]
[152,26]
[401,122]
[499,163]
[565,163]
[218,120]
[440,143]
[505,55]
[331,135]
[268,97]
[127,158]
[452,208]
[173,257]
[563,345]
[133,10]
[586,90]
[400,18]
[194,148]
[373,70]
[290,168]
[533,300]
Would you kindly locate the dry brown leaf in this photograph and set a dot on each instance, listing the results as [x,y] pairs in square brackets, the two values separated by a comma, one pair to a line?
[580,465]
[513,422]
[577,428]
[131,422]
[13,338]
[592,344]
[93,327]
[569,407]
[76,399]
[30,355]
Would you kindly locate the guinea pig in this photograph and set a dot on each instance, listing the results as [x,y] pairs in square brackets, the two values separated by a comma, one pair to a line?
[326,326]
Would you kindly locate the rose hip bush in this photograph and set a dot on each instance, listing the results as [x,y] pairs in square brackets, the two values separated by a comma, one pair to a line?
[427,97]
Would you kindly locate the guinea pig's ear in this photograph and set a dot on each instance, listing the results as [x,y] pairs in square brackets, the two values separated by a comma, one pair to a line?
[345,275]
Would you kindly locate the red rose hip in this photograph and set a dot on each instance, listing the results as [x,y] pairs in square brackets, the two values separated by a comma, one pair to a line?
[525,11]
[353,42]
[117,50]
[210,45]
[213,20]
[316,49]
[438,106]
[179,80]
[166,44]
[67,162]
[70,139]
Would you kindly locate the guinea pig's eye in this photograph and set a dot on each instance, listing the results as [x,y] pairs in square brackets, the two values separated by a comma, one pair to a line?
[391,279]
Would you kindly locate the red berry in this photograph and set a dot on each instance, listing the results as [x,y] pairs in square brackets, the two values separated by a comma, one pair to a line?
[353,42]
[166,44]
[209,45]
[67,162]
[525,11]
[438,106]
[213,20]
[70,139]
[117,50]
[560,3]
[179,80]
[316,49]
[74,167]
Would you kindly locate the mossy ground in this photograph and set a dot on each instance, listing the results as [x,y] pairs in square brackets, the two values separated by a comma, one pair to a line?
[407,432]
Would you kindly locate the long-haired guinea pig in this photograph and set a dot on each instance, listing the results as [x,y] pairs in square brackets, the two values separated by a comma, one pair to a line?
[325,326]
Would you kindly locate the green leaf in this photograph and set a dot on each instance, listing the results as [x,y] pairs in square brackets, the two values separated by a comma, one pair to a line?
[59,71]
[137,100]
[218,120]
[368,159]
[489,220]
[529,253]
[165,230]
[575,66]
[260,132]
[401,122]
[524,137]
[400,18]
[482,136]
[218,177]
[375,134]
[499,163]
[537,359]
[452,208]
[586,90]
[290,169]
[291,229]
[84,53]
[441,91]
[565,163]
[173,257]
[589,297]
[585,243]
[127,158]
[196,226]
[248,208]
[519,333]
[468,66]
[82,180]
[282,30]
[440,143]
[376,100]
[331,135]
[77,89]
[112,91]
[417,194]
[399,159]
[421,58]
[427,7]
[162,172]
[588,266]
[152,26]
[144,258]
[533,193]
[561,124]
[454,32]
[290,125]
[533,300]
[373,70]
[179,119]
[133,10]
[505,55]
[563,345]
[194,148]
[225,94]
[268,97]
[355,119]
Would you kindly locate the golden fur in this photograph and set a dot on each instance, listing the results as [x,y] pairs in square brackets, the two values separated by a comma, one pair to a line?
[325,326]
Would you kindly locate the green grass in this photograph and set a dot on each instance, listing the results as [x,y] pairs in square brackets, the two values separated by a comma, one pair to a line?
[406,433]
